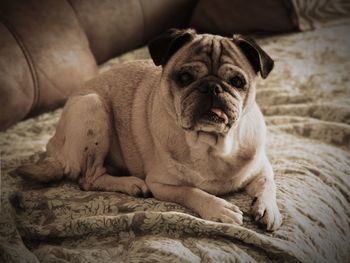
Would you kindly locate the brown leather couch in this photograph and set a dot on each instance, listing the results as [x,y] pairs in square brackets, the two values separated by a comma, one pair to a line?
[48,48]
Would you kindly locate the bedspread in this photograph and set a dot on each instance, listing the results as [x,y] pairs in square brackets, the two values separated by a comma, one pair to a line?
[306,105]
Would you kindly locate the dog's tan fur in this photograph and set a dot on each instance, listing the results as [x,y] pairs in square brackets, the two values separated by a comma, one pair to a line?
[133,120]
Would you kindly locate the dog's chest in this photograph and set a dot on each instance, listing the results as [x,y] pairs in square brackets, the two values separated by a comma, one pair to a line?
[217,175]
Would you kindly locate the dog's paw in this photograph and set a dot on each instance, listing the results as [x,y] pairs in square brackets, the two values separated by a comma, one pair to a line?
[219,210]
[135,187]
[266,212]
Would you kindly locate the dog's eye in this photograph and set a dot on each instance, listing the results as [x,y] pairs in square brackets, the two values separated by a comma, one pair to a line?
[184,78]
[238,82]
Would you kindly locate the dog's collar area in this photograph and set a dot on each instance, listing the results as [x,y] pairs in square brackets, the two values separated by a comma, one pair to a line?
[207,138]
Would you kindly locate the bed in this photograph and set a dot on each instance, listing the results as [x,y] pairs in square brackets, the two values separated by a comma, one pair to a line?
[306,104]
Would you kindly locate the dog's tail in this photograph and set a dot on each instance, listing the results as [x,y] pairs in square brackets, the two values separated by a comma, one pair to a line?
[45,170]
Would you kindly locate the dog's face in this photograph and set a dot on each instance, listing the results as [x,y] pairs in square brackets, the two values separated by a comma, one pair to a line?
[208,81]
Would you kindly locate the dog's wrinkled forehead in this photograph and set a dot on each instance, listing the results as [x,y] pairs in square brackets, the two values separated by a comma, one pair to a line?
[213,52]
[211,49]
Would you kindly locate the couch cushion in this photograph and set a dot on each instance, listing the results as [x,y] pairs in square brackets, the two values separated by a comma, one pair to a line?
[44,56]
[226,17]
[16,82]
[116,26]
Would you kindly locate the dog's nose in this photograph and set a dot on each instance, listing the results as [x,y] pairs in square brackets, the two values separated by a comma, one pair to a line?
[212,87]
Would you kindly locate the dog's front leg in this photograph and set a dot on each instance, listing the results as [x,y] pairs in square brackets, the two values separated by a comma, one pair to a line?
[264,208]
[207,206]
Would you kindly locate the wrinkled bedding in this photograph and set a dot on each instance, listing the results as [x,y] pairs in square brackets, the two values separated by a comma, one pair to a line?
[306,104]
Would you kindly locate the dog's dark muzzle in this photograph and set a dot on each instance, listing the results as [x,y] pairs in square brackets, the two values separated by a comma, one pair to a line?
[211,87]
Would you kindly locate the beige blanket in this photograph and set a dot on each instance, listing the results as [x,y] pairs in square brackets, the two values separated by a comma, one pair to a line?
[307,107]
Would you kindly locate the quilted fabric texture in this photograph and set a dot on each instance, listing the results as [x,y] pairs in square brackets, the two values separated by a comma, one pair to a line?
[307,108]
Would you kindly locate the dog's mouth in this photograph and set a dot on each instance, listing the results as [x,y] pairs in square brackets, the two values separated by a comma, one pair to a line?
[216,115]
[210,114]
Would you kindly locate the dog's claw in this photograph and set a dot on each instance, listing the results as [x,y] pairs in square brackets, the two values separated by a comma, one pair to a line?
[219,210]
[137,187]
[267,213]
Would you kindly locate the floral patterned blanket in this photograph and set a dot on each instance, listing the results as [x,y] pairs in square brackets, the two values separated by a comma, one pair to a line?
[306,104]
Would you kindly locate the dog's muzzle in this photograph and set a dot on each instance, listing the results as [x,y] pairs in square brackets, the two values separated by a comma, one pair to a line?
[215,113]
[211,87]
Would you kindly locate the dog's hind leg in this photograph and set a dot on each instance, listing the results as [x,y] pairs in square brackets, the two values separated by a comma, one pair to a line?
[45,170]
[79,148]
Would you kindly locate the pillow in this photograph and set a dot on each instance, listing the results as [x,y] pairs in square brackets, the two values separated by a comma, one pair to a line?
[226,17]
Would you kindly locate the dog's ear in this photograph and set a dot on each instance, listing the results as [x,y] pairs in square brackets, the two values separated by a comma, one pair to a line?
[257,57]
[164,46]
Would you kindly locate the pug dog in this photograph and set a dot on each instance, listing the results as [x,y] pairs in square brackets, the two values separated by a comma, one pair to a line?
[184,127]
